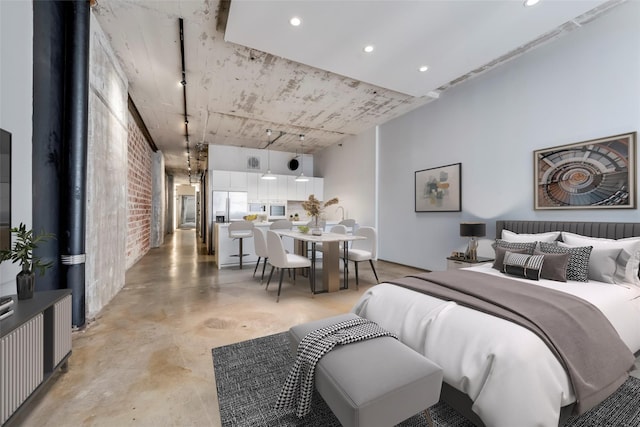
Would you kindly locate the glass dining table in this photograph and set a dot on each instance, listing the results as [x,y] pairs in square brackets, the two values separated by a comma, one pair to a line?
[330,256]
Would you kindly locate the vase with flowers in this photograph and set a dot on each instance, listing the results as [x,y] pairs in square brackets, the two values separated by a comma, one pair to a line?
[314,208]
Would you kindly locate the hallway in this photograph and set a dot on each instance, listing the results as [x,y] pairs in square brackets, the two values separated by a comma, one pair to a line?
[146,359]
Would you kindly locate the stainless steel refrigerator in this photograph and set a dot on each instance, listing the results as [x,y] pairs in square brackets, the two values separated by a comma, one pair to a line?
[232,205]
[227,206]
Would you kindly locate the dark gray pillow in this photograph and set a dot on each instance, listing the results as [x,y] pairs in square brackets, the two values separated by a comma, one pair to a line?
[528,246]
[523,265]
[498,263]
[578,268]
[555,266]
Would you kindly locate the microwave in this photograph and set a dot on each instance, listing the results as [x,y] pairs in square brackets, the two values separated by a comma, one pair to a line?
[257,208]
[278,211]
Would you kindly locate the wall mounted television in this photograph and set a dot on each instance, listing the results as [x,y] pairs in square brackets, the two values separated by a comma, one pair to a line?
[5,189]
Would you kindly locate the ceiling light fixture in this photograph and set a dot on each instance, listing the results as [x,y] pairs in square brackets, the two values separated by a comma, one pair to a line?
[529,3]
[268,175]
[295,21]
[368,49]
[423,68]
[301,177]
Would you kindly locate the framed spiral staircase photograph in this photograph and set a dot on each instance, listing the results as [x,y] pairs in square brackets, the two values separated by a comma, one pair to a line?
[595,174]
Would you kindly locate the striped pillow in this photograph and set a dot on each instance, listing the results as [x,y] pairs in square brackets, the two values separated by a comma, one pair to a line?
[523,265]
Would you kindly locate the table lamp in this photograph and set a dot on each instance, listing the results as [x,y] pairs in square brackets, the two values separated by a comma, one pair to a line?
[473,230]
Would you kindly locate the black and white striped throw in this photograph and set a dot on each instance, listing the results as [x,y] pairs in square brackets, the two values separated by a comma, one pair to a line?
[298,387]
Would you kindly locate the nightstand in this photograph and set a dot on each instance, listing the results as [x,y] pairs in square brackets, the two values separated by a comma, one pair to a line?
[453,263]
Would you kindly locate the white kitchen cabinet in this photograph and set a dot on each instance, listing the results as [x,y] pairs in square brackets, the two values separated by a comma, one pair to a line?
[318,188]
[237,181]
[229,180]
[220,180]
[263,189]
[253,193]
[281,187]
[284,187]
[297,190]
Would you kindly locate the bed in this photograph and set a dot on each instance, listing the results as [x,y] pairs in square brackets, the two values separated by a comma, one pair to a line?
[487,378]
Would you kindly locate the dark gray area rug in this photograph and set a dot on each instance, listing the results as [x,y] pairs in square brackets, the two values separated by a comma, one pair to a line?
[249,376]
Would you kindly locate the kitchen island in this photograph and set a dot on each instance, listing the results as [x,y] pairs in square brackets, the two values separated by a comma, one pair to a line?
[226,249]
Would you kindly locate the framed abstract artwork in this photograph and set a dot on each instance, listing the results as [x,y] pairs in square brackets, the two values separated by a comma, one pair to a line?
[595,174]
[438,189]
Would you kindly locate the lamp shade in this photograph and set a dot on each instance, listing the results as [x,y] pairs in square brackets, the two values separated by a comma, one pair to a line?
[473,229]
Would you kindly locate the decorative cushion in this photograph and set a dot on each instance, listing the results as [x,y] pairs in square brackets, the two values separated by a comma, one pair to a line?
[528,246]
[602,263]
[498,263]
[510,236]
[554,267]
[578,268]
[523,265]
[628,261]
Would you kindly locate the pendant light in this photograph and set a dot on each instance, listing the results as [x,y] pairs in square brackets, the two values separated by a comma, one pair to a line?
[301,177]
[268,175]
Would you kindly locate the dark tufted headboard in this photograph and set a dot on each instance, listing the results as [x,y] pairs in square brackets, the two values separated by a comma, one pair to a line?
[609,230]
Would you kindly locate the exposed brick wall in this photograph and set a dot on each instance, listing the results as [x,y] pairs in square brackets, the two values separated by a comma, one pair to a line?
[138,194]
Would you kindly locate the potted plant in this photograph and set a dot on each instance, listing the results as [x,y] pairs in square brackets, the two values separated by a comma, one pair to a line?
[22,252]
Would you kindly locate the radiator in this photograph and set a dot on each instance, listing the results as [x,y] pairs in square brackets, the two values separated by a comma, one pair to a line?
[61,329]
[21,353]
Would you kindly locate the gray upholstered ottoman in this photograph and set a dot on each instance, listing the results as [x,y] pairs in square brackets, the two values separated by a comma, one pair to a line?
[372,383]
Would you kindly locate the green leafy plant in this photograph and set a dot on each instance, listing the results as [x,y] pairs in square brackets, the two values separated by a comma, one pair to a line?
[22,250]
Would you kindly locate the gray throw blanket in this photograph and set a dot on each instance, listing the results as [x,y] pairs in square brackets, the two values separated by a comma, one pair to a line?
[579,335]
[298,387]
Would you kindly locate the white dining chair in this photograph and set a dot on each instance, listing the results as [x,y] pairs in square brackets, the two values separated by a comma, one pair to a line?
[281,224]
[349,223]
[260,242]
[364,249]
[281,260]
[241,230]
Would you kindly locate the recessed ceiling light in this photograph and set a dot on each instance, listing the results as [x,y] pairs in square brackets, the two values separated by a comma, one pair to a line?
[528,3]
[368,48]
[295,21]
[423,68]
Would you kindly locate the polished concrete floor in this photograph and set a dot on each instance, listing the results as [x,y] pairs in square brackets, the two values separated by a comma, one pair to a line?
[146,359]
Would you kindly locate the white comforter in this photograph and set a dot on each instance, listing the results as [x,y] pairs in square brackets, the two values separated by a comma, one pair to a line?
[509,373]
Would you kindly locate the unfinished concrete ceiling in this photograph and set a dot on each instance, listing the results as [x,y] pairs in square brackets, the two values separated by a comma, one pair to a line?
[236,92]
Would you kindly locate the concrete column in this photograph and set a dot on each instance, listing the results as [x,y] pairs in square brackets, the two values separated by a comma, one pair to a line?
[170,203]
[158,205]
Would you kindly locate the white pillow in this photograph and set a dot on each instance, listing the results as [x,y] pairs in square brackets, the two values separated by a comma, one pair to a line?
[512,237]
[602,262]
[628,260]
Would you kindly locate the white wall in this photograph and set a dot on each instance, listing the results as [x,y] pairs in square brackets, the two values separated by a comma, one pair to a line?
[16,111]
[229,158]
[349,174]
[582,86]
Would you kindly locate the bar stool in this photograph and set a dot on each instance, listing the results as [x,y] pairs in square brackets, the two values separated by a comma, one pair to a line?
[241,230]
